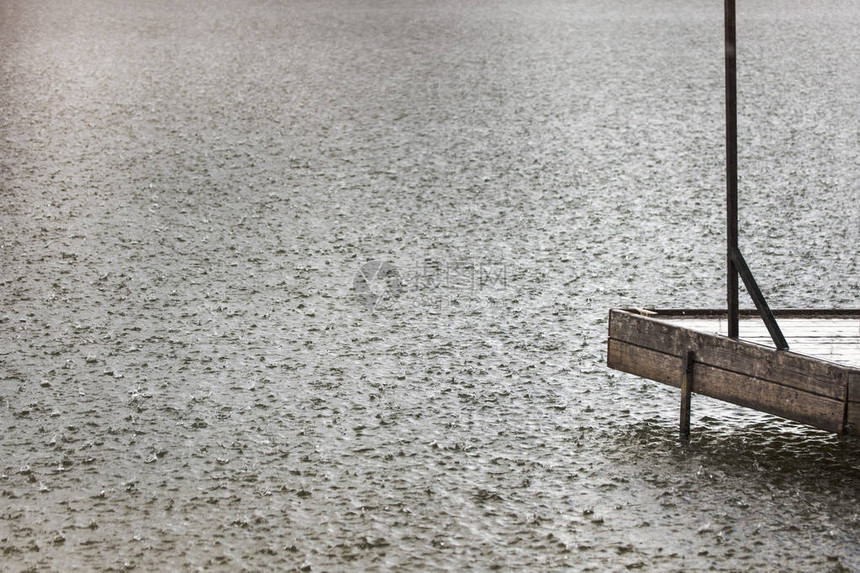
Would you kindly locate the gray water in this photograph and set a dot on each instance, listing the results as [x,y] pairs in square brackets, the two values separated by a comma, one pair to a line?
[192,377]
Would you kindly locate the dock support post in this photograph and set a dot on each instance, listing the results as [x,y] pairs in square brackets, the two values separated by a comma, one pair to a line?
[731,168]
[686,393]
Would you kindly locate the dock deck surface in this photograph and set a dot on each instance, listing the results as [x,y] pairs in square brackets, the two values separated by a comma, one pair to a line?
[833,338]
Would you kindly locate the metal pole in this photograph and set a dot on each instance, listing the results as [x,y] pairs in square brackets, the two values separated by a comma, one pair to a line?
[731,168]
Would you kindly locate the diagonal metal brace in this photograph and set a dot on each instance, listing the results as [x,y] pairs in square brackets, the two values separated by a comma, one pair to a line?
[758,298]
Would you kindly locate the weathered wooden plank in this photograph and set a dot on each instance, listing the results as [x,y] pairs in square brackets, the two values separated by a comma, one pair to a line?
[643,362]
[764,395]
[786,368]
[854,385]
[852,419]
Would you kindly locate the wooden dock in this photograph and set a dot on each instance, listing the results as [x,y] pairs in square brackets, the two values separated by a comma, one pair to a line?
[817,382]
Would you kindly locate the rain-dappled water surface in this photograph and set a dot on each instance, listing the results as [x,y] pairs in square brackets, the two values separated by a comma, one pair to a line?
[196,374]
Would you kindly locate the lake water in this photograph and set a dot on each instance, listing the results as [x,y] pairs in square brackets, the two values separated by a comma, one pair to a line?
[202,207]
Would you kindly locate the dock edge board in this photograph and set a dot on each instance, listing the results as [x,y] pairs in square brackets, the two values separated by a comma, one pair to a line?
[787,384]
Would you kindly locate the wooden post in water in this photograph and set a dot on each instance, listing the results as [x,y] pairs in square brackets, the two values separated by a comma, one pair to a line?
[686,393]
[731,168]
